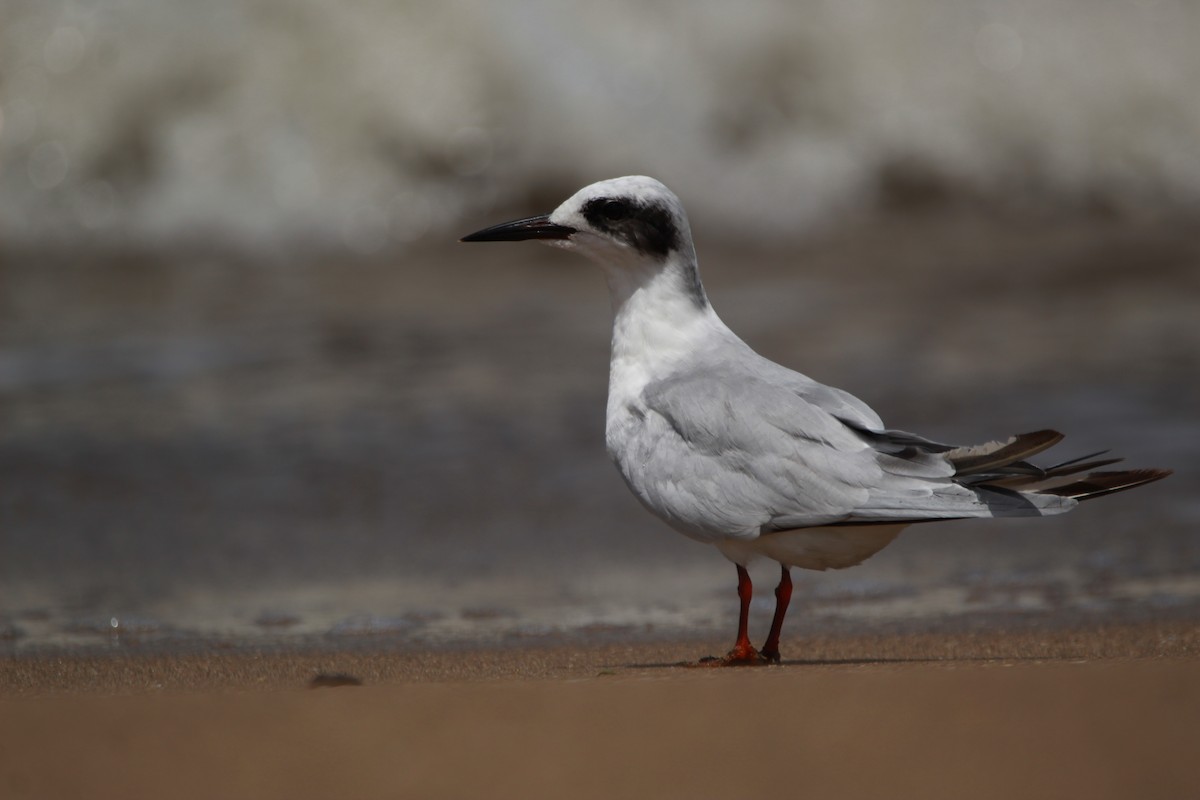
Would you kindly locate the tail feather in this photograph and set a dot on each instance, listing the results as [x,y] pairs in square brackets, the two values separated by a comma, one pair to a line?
[1053,476]
[997,479]
[1002,466]
[1098,484]
[1070,462]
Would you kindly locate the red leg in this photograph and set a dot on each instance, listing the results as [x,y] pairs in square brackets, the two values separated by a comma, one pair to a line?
[743,652]
[783,596]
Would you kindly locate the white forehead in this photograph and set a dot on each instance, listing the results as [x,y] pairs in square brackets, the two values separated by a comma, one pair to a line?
[636,187]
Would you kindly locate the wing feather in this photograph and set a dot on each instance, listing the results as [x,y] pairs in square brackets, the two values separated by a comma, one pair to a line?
[736,448]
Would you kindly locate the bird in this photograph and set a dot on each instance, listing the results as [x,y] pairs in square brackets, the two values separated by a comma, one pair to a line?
[760,461]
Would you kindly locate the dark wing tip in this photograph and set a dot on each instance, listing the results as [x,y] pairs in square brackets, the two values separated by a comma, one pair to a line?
[1098,484]
[984,458]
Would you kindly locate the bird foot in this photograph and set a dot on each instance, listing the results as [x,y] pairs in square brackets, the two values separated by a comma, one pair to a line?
[739,656]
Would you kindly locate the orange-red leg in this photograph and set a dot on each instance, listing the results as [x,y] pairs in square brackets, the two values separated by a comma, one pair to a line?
[783,596]
[743,652]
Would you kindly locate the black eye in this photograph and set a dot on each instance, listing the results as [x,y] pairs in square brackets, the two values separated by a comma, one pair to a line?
[614,210]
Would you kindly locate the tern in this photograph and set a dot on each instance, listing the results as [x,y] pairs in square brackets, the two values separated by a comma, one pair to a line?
[736,451]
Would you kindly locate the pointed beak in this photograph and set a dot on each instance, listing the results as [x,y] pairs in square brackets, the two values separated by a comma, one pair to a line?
[518,230]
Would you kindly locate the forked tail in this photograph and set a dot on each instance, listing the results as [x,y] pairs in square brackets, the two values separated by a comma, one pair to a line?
[1003,465]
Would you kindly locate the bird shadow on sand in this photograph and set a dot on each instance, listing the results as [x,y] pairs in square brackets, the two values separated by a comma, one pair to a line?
[839,662]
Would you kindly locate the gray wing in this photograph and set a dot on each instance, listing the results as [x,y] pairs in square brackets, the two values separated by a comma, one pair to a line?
[754,453]
[835,402]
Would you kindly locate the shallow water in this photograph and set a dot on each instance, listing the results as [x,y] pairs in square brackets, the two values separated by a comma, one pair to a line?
[409,450]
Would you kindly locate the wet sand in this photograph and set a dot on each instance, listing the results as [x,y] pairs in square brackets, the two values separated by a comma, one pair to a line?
[199,445]
[1090,712]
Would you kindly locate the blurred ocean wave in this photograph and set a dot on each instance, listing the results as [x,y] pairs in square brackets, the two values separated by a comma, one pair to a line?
[367,125]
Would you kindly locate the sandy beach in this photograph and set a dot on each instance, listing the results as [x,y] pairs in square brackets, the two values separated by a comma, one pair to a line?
[1098,712]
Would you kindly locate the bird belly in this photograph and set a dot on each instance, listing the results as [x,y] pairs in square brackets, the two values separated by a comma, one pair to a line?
[821,548]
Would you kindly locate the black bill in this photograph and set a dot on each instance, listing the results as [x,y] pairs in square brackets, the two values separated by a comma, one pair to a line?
[539,227]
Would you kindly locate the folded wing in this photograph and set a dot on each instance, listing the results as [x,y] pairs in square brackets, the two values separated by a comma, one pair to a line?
[771,458]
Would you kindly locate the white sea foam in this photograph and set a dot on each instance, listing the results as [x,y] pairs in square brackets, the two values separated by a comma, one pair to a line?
[369,124]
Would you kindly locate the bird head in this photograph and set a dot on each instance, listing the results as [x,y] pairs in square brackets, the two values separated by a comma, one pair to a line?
[634,219]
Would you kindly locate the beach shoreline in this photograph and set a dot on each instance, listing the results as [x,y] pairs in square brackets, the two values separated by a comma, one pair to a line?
[200,668]
[1103,711]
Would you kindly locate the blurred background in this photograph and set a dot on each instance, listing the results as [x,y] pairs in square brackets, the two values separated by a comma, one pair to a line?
[252,388]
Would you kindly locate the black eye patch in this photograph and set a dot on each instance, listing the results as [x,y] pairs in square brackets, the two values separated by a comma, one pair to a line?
[615,210]
[649,228]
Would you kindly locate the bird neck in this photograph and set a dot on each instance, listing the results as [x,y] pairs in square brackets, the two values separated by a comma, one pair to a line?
[671,284]
[660,315]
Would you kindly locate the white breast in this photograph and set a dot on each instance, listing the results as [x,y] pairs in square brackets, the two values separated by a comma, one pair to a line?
[656,327]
